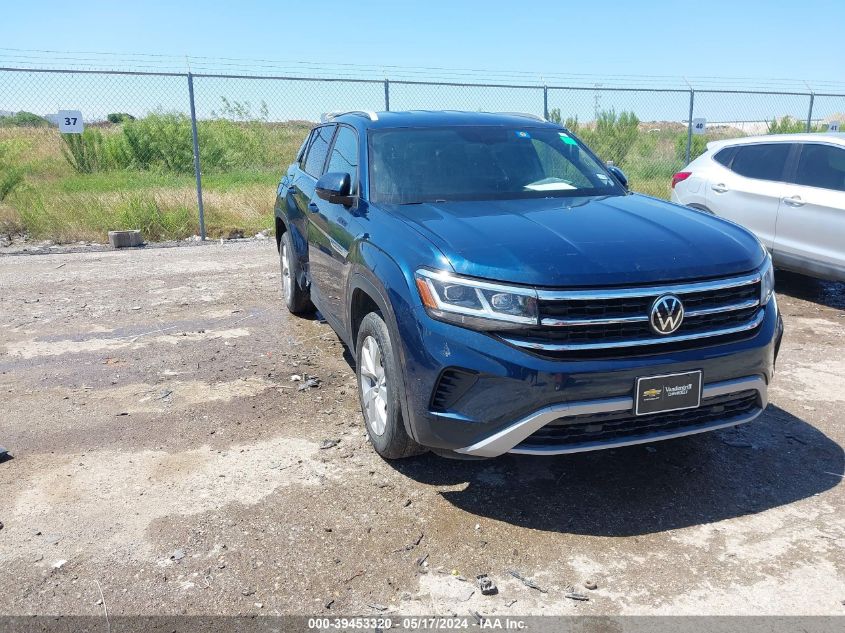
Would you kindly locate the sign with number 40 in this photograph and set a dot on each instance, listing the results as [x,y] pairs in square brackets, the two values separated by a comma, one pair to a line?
[70,122]
[699,126]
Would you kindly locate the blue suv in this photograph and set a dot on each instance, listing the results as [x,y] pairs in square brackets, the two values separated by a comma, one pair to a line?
[503,292]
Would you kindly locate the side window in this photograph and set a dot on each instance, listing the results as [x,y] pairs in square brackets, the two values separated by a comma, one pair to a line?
[821,166]
[344,156]
[764,161]
[320,139]
[724,156]
[303,150]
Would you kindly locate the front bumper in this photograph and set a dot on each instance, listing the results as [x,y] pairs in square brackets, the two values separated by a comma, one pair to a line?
[516,392]
[516,437]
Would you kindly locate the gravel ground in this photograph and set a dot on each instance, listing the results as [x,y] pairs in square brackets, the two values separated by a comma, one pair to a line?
[163,454]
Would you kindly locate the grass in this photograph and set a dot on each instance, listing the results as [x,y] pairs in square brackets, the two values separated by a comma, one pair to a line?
[55,201]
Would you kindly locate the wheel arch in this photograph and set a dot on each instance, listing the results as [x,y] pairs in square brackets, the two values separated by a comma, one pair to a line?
[281,228]
[365,292]
[700,207]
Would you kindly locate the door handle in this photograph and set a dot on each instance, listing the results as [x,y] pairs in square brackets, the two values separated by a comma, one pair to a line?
[313,208]
[719,187]
[794,201]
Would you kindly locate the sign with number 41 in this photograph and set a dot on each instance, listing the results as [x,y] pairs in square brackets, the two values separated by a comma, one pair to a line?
[70,122]
[833,126]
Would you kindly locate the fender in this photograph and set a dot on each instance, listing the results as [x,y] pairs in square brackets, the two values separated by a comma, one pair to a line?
[368,257]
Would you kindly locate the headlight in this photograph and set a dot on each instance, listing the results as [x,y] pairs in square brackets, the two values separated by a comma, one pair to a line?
[474,303]
[767,282]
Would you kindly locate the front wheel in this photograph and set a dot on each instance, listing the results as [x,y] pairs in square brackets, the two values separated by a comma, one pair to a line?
[378,389]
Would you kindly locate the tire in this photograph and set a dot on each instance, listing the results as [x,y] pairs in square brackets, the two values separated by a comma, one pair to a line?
[379,384]
[296,299]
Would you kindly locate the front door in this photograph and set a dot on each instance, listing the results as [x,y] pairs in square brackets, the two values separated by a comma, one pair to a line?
[336,227]
[749,190]
[315,161]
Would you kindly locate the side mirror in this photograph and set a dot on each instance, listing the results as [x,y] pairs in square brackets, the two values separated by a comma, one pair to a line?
[619,175]
[334,187]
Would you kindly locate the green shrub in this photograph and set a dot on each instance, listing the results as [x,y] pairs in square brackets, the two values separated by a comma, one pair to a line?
[570,124]
[158,141]
[241,111]
[119,117]
[164,142]
[84,152]
[697,147]
[788,125]
[613,136]
[23,119]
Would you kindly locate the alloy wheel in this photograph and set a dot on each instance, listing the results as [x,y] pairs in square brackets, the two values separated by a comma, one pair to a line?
[373,386]
[286,280]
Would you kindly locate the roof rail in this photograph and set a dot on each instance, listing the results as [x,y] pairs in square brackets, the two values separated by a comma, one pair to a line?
[536,117]
[328,116]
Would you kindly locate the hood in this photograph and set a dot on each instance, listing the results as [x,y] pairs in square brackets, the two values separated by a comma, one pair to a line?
[570,242]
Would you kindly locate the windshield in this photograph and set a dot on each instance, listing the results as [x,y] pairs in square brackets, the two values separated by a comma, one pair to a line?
[412,165]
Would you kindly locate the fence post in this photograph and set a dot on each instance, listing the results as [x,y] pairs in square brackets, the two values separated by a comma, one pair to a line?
[546,102]
[810,112]
[689,123]
[386,94]
[197,172]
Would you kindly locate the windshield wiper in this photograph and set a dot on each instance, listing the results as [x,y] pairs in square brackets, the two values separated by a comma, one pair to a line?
[437,201]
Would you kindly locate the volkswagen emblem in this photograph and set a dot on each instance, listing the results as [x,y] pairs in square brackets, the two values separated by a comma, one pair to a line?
[667,314]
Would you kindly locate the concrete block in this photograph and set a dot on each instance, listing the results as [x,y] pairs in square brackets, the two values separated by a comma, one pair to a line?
[124,239]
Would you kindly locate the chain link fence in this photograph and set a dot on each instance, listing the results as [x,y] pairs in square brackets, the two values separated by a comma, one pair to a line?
[179,155]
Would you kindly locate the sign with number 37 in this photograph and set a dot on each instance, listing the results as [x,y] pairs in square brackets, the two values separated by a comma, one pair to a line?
[70,122]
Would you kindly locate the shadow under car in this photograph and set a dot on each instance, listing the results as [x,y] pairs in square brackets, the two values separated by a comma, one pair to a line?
[771,462]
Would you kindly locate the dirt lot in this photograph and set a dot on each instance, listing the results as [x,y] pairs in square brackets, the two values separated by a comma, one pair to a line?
[163,454]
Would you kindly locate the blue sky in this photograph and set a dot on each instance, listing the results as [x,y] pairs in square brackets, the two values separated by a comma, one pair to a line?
[645,43]
[708,38]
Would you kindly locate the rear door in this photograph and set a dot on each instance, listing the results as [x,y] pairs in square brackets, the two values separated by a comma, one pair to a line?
[748,190]
[811,220]
[291,187]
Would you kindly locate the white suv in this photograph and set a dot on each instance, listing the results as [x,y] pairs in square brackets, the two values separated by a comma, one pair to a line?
[789,189]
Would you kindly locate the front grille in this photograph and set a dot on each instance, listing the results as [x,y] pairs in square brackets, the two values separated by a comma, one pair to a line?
[621,332]
[624,425]
[590,321]
[637,306]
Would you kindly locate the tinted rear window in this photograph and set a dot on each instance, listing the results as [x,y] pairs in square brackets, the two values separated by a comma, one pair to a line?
[821,166]
[764,161]
[724,156]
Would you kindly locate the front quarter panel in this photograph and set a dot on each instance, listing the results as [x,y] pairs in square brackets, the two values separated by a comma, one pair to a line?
[378,269]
